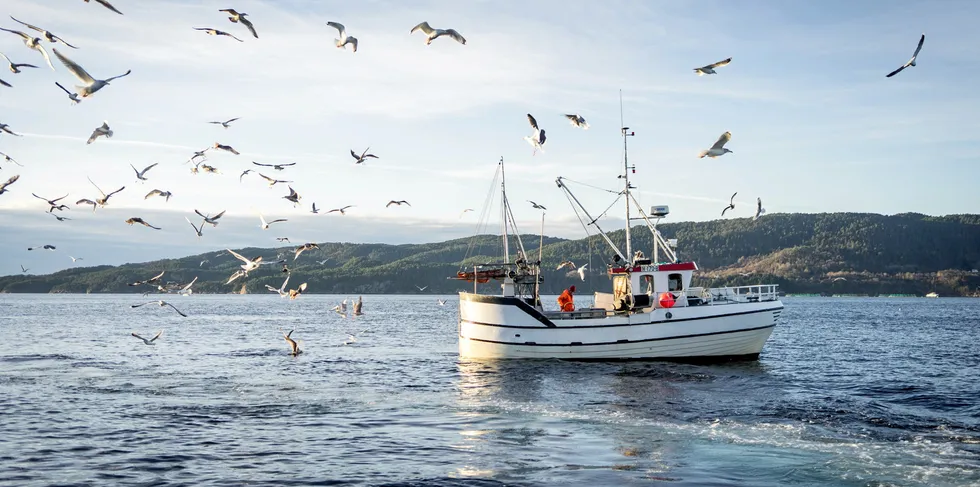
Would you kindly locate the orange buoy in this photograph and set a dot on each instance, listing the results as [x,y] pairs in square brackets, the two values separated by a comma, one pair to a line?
[666,300]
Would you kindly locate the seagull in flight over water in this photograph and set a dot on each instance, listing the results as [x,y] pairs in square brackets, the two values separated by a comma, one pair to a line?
[719,148]
[710,69]
[343,211]
[265,224]
[150,341]
[911,61]
[141,175]
[731,205]
[398,203]
[161,303]
[293,346]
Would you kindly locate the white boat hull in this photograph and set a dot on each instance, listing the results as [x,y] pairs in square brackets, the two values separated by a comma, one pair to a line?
[499,327]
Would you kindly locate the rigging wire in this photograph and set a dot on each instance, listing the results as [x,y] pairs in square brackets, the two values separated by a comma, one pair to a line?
[483,220]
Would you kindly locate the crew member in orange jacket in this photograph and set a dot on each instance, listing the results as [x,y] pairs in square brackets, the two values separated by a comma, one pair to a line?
[565,301]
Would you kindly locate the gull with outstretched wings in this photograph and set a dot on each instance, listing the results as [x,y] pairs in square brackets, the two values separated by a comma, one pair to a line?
[719,148]
[433,34]
[911,62]
[91,85]
[710,69]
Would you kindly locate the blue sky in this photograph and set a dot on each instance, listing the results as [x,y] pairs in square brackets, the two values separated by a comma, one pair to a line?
[816,125]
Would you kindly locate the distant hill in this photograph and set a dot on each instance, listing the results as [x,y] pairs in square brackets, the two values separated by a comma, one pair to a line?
[839,253]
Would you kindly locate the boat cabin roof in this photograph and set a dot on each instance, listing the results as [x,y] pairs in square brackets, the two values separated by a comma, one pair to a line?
[640,266]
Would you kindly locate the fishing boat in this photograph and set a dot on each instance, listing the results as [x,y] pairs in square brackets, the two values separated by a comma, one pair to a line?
[932,295]
[650,312]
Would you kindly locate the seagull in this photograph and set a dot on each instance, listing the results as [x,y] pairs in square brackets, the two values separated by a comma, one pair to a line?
[294,293]
[104,130]
[213,220]
[151,280]
[226,148]
[344,38]
[265,225]
[106,4]
[249,264]
[433,34]
[759,210]
[536,206]
[75,259]
[537,139]
[52,203]
[91,85]
[277,167]
[245,172]
[60,218]
[33,43]
[43,247]
[565,263]
[293,346]
[71,95]
[199,230]
[6,128]
[4,83]
[282,239]
[465,211]
[364,155]
[236,275]
[350,339]
[7,158]
[47,34]
[581,271]
[315,210]
[100,201]
[304,248]
[442,302]
[139,220]
[161,303]
[577,120]
[357,306]
[226,122]
[200,154]
[343,211]
[210,169]
[282,289]
[240,17]
[911,61]
[141,175]
[731,205]
[22,269]
[421,289]
[710,69]
[216,32]
[324,261]
[293,196]
[272,181]
[187,289]
[719,148]
[839,279]
[399,203]
[150,341]
[15,68]
[157,192]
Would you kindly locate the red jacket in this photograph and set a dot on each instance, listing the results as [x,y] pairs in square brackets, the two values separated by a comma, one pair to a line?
[566,302]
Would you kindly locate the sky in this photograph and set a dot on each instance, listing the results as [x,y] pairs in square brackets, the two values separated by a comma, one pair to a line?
[816,126]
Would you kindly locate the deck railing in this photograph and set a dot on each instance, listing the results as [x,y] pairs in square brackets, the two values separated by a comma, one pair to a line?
[742,294]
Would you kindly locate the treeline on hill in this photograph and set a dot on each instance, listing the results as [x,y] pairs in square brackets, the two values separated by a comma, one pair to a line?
[840,253]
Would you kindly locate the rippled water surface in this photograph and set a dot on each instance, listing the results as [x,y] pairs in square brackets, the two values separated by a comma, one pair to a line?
[861,392]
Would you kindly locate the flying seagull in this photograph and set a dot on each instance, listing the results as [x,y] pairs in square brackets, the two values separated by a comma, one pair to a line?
[364,155]
[277,167]
[731,205]
[48,36]
[536,206]
[6,128]
[399,203]
[4,83]
[215,32]
[141,175]
[433,34]
[240,17]
[581,271]
[161,303]
[303,248]
[43,247]
[151,280]
[565,263]
[53,204]
[213,220]
[226,122]
[157,192]
[106,4]
[199,230]
[247,264]
[91,85]
[75,259]
[759,210]
[15,68]
[98,202]
[272,181]
[265,224]
[911,61]
[282,289]
[226,148]
[23,269]
[577,120]
[150,341]
[71,95]
[187,289]
[33,43]
[537,139]
[282,239]
[344,38]
[7,158]
[294,293]
[315,210]
[710,69]
[719,148]
[293,196]
[343,211]
[103,130]
[421,288]
[60,218]
[139,220]
[293,346]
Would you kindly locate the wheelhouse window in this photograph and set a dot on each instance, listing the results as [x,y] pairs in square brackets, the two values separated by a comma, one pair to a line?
[675,283]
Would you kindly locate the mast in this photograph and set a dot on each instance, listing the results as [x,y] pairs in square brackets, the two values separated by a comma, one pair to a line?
[626,177]
[504,212]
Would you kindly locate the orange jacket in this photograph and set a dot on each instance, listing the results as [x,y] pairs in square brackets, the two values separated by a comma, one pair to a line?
[566,302]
